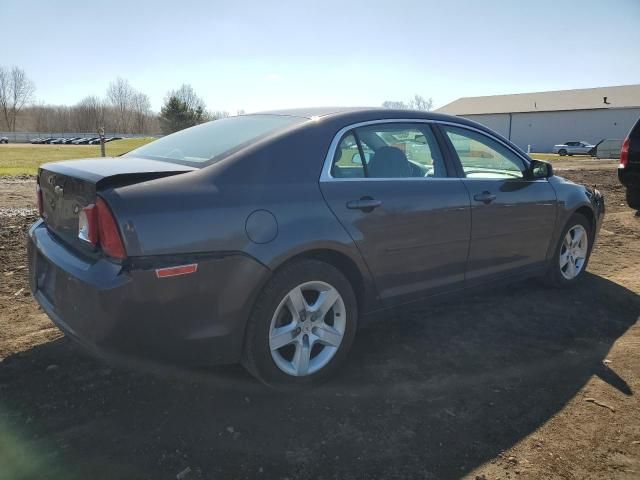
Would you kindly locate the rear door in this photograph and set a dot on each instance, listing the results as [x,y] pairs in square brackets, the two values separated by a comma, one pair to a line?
[513,217]
[409,218]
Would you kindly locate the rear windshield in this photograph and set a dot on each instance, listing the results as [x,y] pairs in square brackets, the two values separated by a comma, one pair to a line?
[207,143]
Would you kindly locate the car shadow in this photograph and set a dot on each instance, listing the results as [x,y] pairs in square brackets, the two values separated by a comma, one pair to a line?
[434,394]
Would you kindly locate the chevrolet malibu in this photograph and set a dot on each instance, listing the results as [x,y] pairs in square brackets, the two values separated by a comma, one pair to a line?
[269,239]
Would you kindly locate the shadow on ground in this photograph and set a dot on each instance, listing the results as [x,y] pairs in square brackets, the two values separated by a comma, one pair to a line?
[432,395]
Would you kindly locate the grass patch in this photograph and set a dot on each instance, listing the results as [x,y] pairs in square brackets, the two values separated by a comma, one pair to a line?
[24,159]
[547,157]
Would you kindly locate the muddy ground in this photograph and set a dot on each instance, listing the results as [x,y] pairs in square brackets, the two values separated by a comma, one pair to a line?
[524,382]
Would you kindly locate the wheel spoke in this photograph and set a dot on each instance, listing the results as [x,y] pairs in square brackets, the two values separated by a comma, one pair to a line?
[282,336]
[568,239]
[564,258]
[325,301]
[327,335]
[571,269]
[577,236]
[296,303]
[301,358]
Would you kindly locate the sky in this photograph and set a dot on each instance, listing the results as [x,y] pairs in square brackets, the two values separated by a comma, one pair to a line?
[259,55]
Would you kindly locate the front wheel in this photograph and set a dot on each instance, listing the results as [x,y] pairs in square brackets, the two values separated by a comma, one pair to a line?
[562,152]
[571,256]
[302,326]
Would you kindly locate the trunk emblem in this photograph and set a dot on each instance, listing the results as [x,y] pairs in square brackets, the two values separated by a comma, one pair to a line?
[58,190]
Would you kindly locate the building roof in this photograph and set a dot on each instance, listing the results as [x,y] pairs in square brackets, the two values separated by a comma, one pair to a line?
[622,96]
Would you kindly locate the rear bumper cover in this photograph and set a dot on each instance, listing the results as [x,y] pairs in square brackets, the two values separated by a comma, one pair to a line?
[196,319]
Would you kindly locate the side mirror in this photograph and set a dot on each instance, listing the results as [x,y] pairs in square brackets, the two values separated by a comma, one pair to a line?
[540,169]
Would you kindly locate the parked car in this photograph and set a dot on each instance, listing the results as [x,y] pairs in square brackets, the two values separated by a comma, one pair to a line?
[95,141]
[84,141]
[36,141]
[69,141]
[265,239]
[111,139]
[58,141]
[575,148]
[4,139]
[629,168]
[48,140]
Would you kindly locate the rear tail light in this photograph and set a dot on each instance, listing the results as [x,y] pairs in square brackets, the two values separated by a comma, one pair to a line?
[39,200]
[97,226]
[108,233]
[624,153]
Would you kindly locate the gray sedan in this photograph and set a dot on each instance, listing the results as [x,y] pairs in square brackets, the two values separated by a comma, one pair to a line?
[269,239]
[575,148]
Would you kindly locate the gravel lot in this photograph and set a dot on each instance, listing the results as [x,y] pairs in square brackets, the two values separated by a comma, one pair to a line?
[524,382]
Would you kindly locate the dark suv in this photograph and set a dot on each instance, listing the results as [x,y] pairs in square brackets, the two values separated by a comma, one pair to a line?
[629,169]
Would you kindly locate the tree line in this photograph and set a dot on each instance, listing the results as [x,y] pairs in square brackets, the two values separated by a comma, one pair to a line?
[122,109]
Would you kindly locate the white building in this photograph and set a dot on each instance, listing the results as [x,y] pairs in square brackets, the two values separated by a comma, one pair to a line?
[544,119]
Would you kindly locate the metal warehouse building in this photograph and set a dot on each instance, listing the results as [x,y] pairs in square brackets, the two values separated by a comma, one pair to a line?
[544,119]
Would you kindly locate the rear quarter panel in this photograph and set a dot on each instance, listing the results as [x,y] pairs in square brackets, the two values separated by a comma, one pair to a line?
[206,211]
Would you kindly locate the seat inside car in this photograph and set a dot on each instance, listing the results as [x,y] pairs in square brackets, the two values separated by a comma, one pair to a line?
[389,162]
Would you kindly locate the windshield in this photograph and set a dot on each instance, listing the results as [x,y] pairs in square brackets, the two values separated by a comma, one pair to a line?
[207,143]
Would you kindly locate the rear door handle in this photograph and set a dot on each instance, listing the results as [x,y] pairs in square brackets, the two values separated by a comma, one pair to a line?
[484,197]
[366,204]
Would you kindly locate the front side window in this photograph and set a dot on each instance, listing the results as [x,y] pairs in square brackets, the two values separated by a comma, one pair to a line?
[205,144]
[483,157]
[390,150]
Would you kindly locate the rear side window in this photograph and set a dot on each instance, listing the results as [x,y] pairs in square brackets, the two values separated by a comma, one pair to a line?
[346,160]
[205,144]
[390,150]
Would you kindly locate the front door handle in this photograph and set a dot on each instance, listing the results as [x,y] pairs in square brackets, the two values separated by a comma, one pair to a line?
[484,197]
[366,204]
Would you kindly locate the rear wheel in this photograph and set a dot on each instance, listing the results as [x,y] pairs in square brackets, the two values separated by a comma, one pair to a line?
[302,326]
[570,259]
[562,152]
[633,197]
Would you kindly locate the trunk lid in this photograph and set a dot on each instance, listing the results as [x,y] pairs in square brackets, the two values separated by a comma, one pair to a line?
[67,187]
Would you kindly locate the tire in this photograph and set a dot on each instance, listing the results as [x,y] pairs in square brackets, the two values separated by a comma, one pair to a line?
[562,152]
[559,276]
[633,197]
[281,367]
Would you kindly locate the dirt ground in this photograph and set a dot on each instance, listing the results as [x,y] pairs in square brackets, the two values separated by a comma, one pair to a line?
[524,382]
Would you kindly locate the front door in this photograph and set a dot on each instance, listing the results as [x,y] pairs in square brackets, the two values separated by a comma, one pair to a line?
[513,217]
[389,187]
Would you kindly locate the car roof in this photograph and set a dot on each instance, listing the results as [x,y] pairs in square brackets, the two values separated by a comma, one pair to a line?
[362,114]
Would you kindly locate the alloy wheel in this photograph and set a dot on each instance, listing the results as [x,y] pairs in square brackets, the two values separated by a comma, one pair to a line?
[573,252]
[307,328]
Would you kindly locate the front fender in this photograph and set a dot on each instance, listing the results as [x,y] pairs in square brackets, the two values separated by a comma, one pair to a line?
[573,197]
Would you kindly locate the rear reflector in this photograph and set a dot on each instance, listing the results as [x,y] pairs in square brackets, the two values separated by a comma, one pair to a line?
[175,271]
[624,153]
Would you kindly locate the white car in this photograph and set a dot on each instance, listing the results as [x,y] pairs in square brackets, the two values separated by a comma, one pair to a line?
[575,148]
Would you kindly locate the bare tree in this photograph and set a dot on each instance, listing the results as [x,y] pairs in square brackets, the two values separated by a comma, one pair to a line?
[16,90]
[418,102]
[141,110]
[89,114]
[394,104]
[120,95]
